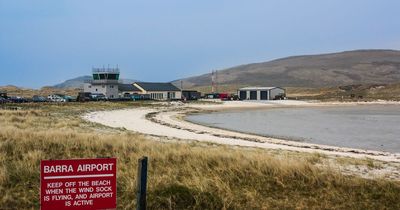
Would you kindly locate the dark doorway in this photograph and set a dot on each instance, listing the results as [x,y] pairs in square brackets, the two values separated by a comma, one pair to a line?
[253,95]
[264,95]
[243,95]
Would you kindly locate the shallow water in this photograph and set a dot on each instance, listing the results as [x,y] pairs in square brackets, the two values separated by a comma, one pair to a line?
[374,127]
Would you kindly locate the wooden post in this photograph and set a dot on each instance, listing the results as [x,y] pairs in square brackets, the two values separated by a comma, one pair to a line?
[141,184]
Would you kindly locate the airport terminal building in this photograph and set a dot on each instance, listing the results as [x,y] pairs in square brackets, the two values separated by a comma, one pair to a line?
[106,81]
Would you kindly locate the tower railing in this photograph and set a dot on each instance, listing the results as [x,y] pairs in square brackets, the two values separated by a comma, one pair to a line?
[105,70]
[103,81]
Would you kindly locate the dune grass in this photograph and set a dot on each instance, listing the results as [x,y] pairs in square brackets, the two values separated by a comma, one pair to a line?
[181,175]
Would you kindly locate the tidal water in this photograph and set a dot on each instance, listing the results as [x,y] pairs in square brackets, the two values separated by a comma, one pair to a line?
[373,127]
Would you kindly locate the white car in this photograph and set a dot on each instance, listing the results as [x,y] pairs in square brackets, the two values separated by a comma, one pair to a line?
[56,98]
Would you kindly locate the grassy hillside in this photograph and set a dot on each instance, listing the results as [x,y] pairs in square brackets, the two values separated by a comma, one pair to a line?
[181,175]
[327,70]
[44,91]
[347,93]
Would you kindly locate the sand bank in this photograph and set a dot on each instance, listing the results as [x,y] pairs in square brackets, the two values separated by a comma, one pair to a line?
[167,121]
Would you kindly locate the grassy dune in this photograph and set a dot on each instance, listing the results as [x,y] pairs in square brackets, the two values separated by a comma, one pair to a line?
[181,175]
[44,91]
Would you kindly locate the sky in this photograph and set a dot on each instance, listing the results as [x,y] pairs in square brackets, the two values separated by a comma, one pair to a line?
[45,42]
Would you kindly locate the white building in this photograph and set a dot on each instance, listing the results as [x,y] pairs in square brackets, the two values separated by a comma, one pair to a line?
[105,81]
[159,91]
[261,93]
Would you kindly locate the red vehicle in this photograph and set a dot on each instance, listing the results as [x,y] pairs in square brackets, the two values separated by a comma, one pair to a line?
[223,96]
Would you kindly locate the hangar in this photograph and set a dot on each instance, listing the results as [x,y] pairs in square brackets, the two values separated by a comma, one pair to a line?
[261,93]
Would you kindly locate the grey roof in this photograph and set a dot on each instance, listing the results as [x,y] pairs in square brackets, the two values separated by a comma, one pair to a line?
[260,88]
[157,86]
[127,87]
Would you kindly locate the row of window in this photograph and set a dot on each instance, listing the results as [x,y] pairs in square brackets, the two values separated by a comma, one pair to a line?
[105,76]
[156,96]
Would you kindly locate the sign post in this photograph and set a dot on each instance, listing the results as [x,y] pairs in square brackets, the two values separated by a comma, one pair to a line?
[81,184]
[141,184]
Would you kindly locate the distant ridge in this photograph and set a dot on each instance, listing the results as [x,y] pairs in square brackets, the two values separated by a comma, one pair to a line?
[334,69]
[78,82]
[73,83]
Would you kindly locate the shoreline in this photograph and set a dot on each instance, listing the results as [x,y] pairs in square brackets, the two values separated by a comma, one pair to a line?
[169,122]
[191,118]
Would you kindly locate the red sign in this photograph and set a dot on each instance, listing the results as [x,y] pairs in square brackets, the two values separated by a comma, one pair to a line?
[78,184]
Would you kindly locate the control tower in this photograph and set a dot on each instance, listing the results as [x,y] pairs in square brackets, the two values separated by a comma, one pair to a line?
[105,81]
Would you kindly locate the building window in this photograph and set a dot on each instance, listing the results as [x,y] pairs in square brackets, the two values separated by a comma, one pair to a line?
[90,86]
[111,86]
[96,89]
[96,76]
[103,86]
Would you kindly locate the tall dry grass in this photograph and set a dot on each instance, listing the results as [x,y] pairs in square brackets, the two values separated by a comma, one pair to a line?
[181,175]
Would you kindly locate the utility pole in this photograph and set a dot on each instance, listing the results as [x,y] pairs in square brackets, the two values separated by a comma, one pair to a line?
[212,81]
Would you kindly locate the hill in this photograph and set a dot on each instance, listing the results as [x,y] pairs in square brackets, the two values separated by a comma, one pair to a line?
[73,83]
[44,91]
[78,82]
[325,70]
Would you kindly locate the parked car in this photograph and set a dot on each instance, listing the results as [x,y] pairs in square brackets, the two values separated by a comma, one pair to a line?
[222,96]
[37,99]
[137,97]
[280,97]
[84,96]
[56,98]
[65,97]
[3,100]
[98,97]
[17,99]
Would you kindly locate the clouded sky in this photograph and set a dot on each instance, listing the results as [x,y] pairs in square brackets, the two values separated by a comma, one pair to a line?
[44,42]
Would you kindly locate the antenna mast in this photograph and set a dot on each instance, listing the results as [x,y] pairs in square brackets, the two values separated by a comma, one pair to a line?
[212,82]
[216,81]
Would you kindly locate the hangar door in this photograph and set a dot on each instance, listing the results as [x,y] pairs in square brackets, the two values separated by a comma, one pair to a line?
[264,95]
[243,95]
[253,95]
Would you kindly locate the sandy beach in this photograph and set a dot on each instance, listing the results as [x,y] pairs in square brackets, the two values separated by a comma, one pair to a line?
[167,121]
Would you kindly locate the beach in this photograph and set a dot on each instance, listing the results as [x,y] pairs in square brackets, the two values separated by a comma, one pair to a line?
[168,121]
